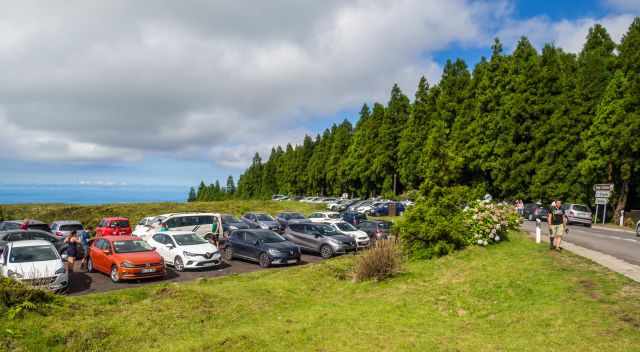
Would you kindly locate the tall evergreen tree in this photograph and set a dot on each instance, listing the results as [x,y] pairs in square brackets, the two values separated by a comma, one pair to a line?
[192,195]
[231,186]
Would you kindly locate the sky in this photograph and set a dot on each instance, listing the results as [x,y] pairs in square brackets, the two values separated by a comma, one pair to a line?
[173,92]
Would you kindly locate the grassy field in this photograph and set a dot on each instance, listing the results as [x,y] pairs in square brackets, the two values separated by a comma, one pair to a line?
[91,214]
[515,296]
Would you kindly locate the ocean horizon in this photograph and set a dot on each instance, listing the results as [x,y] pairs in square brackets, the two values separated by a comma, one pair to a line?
[90,194]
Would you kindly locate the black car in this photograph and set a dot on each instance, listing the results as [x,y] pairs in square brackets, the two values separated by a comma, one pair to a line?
[25,235]
[230,223]
[534,211]
[376,229]
[353,217]
[263,246]
[287,217]
[18,224]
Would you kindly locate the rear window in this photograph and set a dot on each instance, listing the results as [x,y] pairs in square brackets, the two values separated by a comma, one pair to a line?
[333,216]
[71,227]
[580,207]
[120,223]
[41,227]
[188,221]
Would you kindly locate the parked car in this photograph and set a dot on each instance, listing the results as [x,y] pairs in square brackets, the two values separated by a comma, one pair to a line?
[63,228]
[289,217]
[320,238]
[638,228]
[325,216]
[264,246]
[353,217]
[353,207]
[125,258]
[34,262]
[230,223]
[205,225]
[345,228]
[341,204]
[33,235]
[144,224]
[261,220]
[185,250]
[113,226]
[532,211]
[383,209]
[19,224]
[376,229]
[368,208]
[578,214]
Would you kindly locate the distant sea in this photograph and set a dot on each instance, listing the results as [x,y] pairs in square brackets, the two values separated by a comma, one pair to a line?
[90,194]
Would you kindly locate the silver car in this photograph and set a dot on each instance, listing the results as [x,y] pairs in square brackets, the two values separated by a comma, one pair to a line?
[320,238]
[578,214]
[63,228]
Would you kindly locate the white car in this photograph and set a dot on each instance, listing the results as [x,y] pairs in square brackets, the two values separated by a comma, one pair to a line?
[205,225]
[345,228]
[367,209]
[325,216]
[185,250]
[34,262]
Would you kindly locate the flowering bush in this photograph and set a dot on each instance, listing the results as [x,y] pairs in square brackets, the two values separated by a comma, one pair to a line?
[488,222]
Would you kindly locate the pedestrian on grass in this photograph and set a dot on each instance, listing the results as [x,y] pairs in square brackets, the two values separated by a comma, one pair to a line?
[553,205]
[557,220]
[72,242]
[85,235]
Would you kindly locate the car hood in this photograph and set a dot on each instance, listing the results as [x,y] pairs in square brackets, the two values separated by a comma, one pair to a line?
[359,234]
[281,246]
[139,257]
[200,248]
[35,270]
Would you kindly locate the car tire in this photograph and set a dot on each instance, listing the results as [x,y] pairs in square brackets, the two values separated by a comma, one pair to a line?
[115,276]
[178,264]
[326,251]
[264,260]
[227,254]
[90,267]
[587,225]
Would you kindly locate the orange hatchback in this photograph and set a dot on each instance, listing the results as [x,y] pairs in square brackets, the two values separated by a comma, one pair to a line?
[125,258]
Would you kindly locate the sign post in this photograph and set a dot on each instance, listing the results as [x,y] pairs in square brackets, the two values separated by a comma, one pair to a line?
[603,193]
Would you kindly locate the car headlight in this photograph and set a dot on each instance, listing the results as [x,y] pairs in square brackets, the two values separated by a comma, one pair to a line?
[14,274]
[189,254]
[127,264]
[60,271]
[232,227]
[263,226]
[273,251]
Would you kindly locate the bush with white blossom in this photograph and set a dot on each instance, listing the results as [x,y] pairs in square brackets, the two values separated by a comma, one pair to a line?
[488,222]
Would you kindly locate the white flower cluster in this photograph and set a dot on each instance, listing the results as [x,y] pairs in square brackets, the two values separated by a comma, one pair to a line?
[489,222]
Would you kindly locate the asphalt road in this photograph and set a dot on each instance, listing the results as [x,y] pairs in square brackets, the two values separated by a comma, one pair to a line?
[621,245]
[83,282]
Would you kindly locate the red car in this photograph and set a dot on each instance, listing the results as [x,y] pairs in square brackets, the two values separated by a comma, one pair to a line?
[113,227]
[125,258]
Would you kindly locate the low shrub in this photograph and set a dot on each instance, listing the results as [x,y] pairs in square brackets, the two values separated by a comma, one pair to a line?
[380,262]
[16,297]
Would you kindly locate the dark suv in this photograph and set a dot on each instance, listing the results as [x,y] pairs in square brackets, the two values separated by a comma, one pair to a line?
[264,246]
[320,238]
[534,211]
[376,229]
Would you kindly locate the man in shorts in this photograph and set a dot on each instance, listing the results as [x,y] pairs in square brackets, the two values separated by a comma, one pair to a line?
[557,221]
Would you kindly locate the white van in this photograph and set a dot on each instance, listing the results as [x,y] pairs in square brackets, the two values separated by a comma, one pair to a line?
[205,225]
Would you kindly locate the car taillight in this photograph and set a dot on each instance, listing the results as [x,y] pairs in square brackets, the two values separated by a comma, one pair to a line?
[59,234]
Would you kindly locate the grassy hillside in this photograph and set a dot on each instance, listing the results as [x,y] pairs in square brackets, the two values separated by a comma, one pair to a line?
[91,214]
[515,296]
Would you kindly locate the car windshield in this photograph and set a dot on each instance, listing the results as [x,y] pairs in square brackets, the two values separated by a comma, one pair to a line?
[120,223]
[190,239]
[384,225]
[327,230]
[580,207]
[32,254]
[264,217]
[71,227]
[41,227]
[228,219]
[333,216]
[344,226]
[130,246]
[293,216]
[270,237]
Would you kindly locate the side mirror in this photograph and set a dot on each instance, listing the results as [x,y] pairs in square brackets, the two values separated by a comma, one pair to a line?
[170,246]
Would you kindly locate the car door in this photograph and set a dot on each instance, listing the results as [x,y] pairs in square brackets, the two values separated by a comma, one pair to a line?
[97,255]
[239,244]
[252,249]
[159,242]
[310,237]
[294,233]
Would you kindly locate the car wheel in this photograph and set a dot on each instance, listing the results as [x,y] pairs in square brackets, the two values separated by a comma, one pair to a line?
[115,276]
[265,262]
[326,252]
[90,265]
[178,264]
[227,254]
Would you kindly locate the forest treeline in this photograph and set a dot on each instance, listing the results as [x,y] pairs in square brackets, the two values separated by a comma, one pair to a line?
[530,125]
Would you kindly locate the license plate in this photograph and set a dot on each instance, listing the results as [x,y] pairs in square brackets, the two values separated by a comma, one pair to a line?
[148,270]
[291,261]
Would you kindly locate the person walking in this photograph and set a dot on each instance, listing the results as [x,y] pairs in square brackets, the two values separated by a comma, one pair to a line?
[72,242]
[85,235]
[557,221]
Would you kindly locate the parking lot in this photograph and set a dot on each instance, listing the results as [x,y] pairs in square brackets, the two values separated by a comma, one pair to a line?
[83,282]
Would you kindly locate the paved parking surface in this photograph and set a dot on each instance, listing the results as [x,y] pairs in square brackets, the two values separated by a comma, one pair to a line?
[83,282]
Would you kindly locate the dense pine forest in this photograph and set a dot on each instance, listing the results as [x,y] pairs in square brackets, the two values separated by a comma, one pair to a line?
[530,125]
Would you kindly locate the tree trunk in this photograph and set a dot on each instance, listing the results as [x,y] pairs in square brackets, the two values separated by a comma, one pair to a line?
[622,201]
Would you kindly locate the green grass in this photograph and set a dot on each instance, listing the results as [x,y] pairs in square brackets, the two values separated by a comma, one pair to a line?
[516,296]
[91,214]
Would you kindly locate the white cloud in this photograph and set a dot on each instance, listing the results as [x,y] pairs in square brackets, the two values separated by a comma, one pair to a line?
[624,5]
